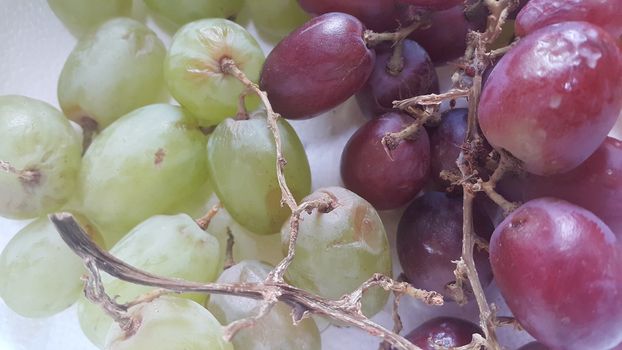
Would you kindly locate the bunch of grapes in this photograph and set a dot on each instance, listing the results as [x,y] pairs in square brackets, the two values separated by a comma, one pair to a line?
[504,173]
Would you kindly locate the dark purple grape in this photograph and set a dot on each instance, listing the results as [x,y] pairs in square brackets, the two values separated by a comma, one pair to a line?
[445,39]
[429,238]
[517,9]
[552,99]
[533,346]
[448,332]
[558,268]
[386,182]
[377,15]
[317,67]
[446,141]
[435,5]
[417,77]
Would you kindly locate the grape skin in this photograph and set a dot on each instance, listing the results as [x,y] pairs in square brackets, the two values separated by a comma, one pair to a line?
[557,267]
[40,154]
[444,331]
[435,5]
[80,16]
[377,15]
[277,18]
[553,98]
[181,12]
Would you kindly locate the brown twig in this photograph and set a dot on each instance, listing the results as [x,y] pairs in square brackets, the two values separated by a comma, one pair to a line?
[229,261]
[506,164]
[431,99]
[420,19]
[392,140]
[205,220]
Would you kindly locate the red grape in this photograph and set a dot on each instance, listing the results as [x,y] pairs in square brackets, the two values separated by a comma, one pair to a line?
[533,346]
[417,77]
[541,13]
[377,15]
[444,331]
[435,5]
[445,142]
[386,182]
[553,98]
[558,267]
[318,66]
[429,238]
[445,39]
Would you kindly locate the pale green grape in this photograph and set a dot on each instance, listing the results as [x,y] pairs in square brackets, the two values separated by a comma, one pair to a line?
[111,72]
[337,251]
[241,159]
[141,165]
[277,18]
[273,331]
[39,157]
[39,274]
[170,323]
[171,246]
[80,16]
[181,12]
[192,67]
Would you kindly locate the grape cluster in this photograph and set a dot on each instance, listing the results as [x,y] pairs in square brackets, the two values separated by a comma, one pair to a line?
[524,186]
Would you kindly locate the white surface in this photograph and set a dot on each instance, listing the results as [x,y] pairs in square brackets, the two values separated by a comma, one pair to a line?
[34,47]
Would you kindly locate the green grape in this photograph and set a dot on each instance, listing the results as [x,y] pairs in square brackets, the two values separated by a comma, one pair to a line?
[273,331]
[39,274]
[277,18]
[141,165]
[192,67]
[337,251]
[111,72]
[169,323]
[241,159]
[39,157]
[80,16]
[181,12]
[171,246]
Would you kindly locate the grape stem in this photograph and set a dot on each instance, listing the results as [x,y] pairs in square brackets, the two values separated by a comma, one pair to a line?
[431,99]
[229,261]
[506,164]
[391,140]
[420,19]
[344,310]
[205,220]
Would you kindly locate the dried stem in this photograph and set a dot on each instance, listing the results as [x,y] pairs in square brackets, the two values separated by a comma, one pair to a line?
[396,62]
[421,19]
[506,164]
[264,309]
[229,261]
[431,99]
[205,220]
[392,140]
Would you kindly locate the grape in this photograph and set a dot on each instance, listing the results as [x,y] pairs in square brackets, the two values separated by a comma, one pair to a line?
[557,267]
[39,157]
[170,246]
[387,182]
[384,86]
[541,13]
[444,42]
[141,165]
[39,274]
[183,11]
[111,72]
[273,331]
[337,251]
[170,323]
[595,185]
[533,346]
[446,142]
[447,332]
[521,3]
[429,238]
[434,5]
[80,16]
[277,18]
[377,15]
[241,159]
[317,67]
[192,67]
[553,98]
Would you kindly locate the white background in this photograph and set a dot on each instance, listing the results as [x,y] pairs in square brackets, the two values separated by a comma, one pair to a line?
[33,48]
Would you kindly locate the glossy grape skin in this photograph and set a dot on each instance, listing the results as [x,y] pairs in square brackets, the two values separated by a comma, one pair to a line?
[541,13]
[595,185]
[317,67]
[445,42]
[81,16]
[273,331]
[377,15]
[444,331]
[337,251]
[170,246]
[40,157]
[277,18]
[553,98]
[169,323]
[39,275]
[181,12]
[429,238]
[241,159]
[533,346]
[417,77]
[435,5]
[557,267]
[386,182]
[111,72]
[141,165]
[446,141]
[192,68]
